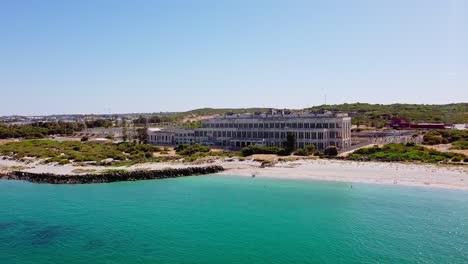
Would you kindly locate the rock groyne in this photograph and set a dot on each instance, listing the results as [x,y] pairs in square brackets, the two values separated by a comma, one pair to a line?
[110,176]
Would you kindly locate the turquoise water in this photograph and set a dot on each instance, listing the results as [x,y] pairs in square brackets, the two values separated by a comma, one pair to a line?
[217,219]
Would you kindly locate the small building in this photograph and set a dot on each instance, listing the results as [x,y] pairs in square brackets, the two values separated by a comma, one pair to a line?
[428,126]
[399,123]
[158,136]
[460,126]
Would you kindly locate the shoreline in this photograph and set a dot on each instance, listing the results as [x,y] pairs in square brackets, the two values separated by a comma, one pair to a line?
[424,175]
[419,175]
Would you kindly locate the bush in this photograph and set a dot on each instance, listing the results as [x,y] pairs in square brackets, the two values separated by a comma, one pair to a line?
[54,151]
[251,150]
[331,151]
[189,150]
[306,151]
[402,152]
[458,138]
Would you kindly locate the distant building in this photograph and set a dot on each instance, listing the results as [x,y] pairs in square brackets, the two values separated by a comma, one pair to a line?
[237,131]
[402,123]
[157,136]
[460,126]
[428,126]
[399,123]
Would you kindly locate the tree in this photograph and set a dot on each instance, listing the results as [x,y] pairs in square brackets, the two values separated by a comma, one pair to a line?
[331,151]
[142,134]
[290,143]
[124,129]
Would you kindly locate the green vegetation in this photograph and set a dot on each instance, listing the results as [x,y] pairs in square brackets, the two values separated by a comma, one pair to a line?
[290,144]
[154,119]
[251,150]
[99,123]
[331,151]
[402,152]
[307,151]
[73,151]
[192,125]
[190,150]
[39,130]
[44,129]
[378,114]
[458,138]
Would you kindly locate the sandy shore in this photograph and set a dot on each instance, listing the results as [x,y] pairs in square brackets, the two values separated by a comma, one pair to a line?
[452,177]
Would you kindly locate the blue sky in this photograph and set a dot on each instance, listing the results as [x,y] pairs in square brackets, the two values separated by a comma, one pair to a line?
[114,56]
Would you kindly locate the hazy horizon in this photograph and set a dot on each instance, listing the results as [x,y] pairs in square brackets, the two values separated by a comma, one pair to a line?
[187,110]
[140,57]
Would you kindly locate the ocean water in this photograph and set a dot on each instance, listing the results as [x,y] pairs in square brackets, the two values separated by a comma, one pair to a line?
[223,219]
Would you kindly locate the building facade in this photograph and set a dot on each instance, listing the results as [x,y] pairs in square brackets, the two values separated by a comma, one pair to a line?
[237,131]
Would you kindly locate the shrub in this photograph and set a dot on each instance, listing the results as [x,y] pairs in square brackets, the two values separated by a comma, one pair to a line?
[189,150]
[331,151]
[251,150]
[402,152]
[306,151]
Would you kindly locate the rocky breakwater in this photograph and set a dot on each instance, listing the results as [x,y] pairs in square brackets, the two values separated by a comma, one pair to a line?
[111,176]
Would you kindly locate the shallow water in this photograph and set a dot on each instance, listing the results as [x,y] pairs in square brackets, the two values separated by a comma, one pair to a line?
[223,219]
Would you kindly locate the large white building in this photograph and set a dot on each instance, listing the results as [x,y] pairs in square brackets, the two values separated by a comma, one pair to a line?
[237,131]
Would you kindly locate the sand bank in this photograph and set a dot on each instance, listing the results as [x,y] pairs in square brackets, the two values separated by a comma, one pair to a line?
[453,177]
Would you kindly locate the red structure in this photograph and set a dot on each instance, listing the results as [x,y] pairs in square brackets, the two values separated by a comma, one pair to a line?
[401,123]
[428,126]
[398,123]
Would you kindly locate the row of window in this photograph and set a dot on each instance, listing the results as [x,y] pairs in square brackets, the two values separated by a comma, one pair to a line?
[261,134]
[271,125]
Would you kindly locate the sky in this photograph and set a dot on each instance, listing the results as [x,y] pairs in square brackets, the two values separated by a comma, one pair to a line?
[111,56]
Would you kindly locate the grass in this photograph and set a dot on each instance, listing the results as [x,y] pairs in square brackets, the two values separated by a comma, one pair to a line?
[16,168]
[458,138]
[83,171]
[408,152]
[79,152]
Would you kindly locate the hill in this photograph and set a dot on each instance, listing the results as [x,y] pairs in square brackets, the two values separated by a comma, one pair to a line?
[378,114]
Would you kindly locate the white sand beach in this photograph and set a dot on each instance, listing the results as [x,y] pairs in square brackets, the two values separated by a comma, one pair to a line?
[452,177]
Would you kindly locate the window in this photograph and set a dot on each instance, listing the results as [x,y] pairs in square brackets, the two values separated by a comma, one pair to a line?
[300,125]
[306,125]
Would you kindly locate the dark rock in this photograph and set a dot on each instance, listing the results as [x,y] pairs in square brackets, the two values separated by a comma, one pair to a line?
[109,177]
